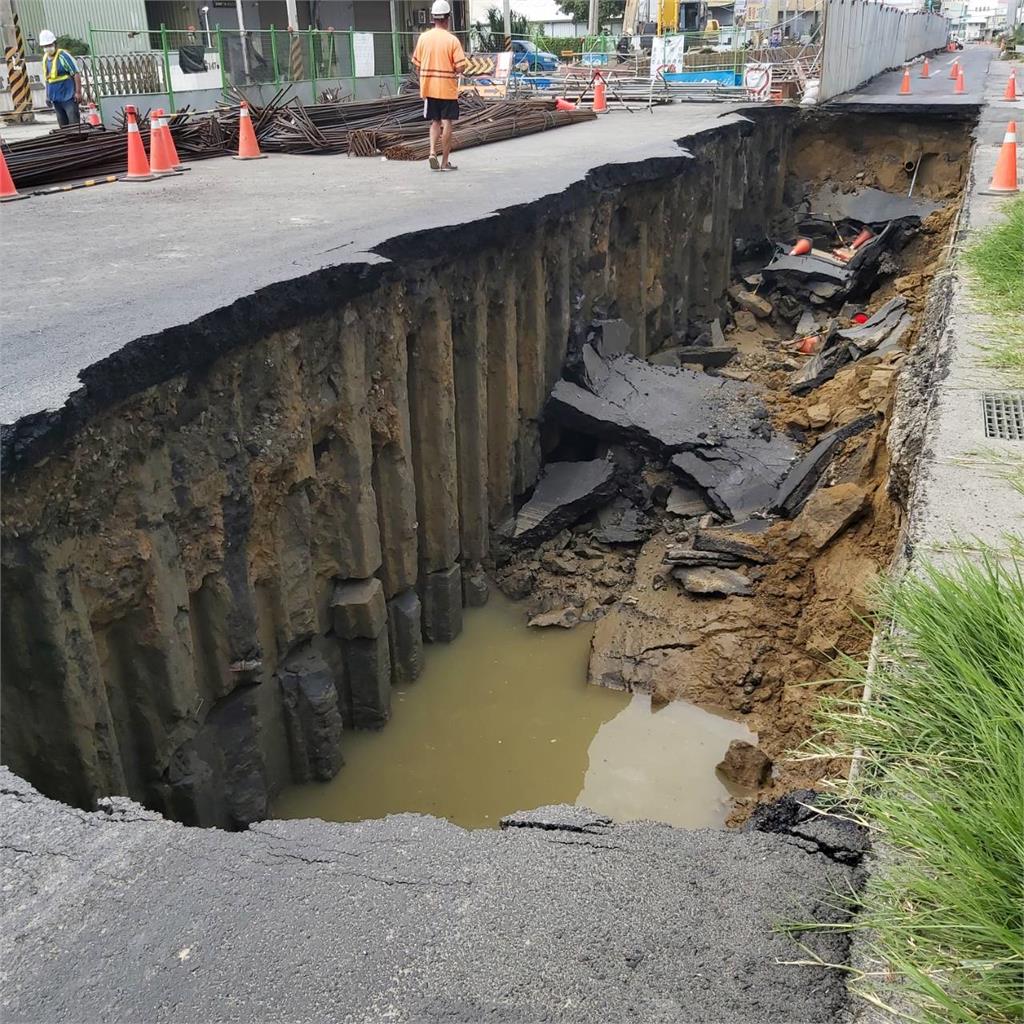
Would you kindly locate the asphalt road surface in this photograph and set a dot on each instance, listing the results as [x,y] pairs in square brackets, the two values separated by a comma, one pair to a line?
[120,916]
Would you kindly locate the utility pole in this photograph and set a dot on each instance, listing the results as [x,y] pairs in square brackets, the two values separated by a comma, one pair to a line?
[293,13]
[242,40]
[17,72]
[593,27]
[507,12]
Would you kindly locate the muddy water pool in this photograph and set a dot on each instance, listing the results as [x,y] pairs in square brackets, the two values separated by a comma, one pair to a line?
[502,720]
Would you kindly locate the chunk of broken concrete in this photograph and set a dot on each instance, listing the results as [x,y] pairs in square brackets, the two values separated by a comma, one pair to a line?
[745,320]
[731,451]
[829,511]
[565,618]
[745,765]
[565,493]
[357,609]
[714,582]
[752,303]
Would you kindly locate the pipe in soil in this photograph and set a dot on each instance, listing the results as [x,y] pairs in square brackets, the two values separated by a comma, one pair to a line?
[227,552]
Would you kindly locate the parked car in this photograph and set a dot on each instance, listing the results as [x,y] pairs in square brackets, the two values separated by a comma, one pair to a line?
[525,52]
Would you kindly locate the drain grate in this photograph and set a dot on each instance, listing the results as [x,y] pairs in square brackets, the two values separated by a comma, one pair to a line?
[1004,414]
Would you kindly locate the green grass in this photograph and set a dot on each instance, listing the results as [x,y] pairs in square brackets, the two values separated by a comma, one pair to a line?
[996,262]
[942,785]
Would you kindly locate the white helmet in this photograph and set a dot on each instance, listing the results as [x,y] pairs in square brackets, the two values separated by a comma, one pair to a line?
[440,9]
[47,38]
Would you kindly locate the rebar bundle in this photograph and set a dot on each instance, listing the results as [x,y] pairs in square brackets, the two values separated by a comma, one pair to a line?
[393,127]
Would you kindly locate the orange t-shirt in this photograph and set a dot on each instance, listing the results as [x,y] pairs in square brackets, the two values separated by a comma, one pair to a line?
[439,58]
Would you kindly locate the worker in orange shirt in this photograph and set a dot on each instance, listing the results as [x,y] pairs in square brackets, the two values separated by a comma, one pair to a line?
[439,59]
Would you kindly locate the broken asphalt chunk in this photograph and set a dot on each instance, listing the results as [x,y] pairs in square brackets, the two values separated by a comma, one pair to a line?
[719,426]
[621,523]
[565,493]
[803,477]
[740,478]
[881,332]
[723,543]
[707,355]
[679,555]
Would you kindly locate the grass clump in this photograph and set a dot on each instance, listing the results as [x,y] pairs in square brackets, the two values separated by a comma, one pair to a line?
[996,262]
[942,786]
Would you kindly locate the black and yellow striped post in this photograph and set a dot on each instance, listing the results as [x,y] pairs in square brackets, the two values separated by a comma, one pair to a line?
[17,78]
[294,55]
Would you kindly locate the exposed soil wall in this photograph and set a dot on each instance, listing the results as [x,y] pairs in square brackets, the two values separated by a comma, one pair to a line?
[223,552]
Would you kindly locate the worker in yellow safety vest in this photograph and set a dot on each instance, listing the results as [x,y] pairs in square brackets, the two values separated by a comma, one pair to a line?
[63,80]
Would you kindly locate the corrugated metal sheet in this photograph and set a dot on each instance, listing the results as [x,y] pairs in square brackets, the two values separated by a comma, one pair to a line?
[73,18]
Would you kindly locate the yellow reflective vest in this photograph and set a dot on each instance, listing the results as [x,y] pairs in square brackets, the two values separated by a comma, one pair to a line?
[51,65]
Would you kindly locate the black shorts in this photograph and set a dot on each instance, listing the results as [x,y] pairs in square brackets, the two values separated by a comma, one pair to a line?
[440,110]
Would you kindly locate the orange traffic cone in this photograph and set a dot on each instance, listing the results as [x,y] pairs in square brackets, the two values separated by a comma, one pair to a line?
[1005,177]
[561,104]
[94,116]
[8,193]
[905,85]
[864,236]
[954,69]
[248,147]
[172,150]
[138,165]
[600,104]
[926,70]
[958,89]
[802,247]
[159,159]
[1010,95]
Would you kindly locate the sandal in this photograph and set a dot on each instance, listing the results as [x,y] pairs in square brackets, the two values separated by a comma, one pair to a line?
[435,164]
[449,167]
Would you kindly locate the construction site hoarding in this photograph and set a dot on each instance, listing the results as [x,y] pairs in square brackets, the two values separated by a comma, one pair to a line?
[863,39]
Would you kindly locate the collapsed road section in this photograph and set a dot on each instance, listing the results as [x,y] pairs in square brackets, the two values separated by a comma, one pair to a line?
[560,915]
[226,550]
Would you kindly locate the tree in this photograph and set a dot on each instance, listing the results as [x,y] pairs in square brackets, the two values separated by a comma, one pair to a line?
[491,33]
[580,10]
[76,47]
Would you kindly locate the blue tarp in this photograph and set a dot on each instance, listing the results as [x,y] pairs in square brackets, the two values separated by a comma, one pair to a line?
[724,77]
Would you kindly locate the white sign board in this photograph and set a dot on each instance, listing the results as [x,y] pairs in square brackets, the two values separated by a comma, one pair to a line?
[667,54]
[362,48]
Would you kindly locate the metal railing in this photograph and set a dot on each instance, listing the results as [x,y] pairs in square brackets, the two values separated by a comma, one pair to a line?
[184,61]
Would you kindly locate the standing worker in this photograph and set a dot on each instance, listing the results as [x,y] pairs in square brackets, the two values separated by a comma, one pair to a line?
[439,58]
[62,78]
